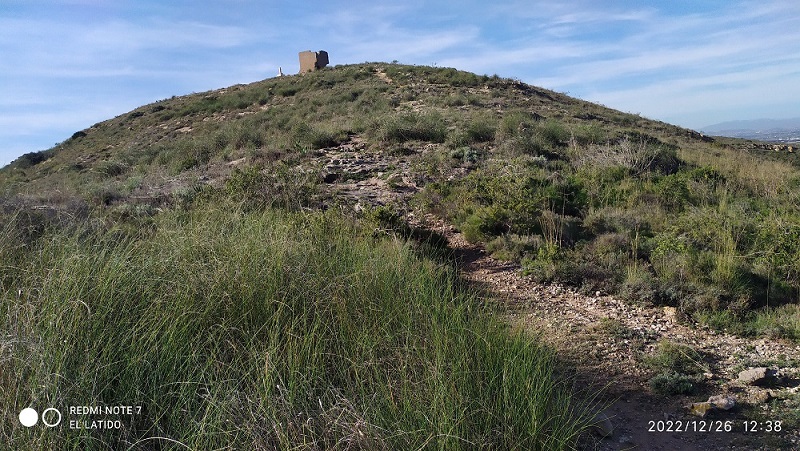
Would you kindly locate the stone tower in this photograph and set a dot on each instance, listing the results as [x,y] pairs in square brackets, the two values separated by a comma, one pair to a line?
[311,61]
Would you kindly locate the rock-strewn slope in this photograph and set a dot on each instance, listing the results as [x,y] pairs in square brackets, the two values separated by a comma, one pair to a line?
[608,340]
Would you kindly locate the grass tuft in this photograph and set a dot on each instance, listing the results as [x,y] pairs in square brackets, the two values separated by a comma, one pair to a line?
[267,330]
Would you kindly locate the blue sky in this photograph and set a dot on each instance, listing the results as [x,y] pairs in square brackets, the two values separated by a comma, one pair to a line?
[67,64]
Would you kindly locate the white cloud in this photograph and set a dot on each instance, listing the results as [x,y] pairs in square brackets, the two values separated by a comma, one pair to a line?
[157,34]
[382,33]
[634,56]
[664,66]
[45,48]
[697,102]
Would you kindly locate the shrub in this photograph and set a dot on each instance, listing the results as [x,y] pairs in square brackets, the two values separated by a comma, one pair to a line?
[246,135]
[679,368]
[276,186]
[321,139]
[640,157]
[591,133]
[104,195]
[111,168]
[553,133]
[512,123]
[676,357]
[466,154]
[781,322]
[190,154]
[639,285]
[484,223]
[520,133]
[545,264]
[455,100]
[286,91]
[32,158]
[617,220]
[513,247]
[404,127]
[673,192]
[670,383]
[476,131]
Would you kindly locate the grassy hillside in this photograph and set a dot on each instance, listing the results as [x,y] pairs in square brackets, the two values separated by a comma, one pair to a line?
[201,256]
[285,118]
[267,330]
[578,192]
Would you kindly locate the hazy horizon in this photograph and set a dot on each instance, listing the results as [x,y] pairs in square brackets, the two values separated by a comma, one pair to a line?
[753,124]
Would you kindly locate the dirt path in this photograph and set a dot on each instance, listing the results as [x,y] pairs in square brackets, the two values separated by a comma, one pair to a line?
[601,338]
[604,339]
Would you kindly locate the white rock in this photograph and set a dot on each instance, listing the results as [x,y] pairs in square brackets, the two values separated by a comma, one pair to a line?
[723,402]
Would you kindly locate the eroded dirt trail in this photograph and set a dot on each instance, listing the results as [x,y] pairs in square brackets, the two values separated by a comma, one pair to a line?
[602,339]
[605,338]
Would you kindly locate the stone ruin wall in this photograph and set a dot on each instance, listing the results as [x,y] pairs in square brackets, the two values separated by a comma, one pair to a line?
[311,61]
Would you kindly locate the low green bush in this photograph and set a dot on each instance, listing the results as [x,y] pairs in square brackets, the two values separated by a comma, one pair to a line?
[669,383]
[484,223]
[676,357]
[32,158]
[777,322]
[398,128]
[679,368]
[513,247]
[111,168]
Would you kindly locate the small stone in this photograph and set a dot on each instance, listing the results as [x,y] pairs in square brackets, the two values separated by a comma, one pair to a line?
[757,376]
[722,402]
[602,426]
[760,397]
[700,409]
[626,442]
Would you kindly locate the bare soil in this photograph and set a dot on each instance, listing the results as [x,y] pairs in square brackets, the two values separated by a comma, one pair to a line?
[603,339]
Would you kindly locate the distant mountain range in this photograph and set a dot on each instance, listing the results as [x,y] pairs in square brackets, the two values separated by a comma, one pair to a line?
[773,130]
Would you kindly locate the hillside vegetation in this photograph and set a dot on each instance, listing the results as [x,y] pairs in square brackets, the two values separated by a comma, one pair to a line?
[269,330]
[241,261]
[578,192]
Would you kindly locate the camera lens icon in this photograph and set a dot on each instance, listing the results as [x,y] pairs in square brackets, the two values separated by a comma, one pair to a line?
[51,417]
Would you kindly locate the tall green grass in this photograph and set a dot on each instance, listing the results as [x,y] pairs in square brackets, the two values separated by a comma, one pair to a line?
[265,330]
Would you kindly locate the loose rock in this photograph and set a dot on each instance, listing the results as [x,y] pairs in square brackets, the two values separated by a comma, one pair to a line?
[760,397]
[602,426]
[758,376]
[722,402]
[700,409]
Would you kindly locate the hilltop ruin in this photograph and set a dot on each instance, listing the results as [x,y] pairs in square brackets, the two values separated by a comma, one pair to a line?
[311,61]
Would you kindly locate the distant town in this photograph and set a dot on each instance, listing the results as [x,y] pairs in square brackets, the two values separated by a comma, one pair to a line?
[785,131]
[784,136]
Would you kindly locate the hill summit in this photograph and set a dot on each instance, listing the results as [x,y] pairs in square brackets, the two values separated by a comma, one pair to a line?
[576,191]
[176,142]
